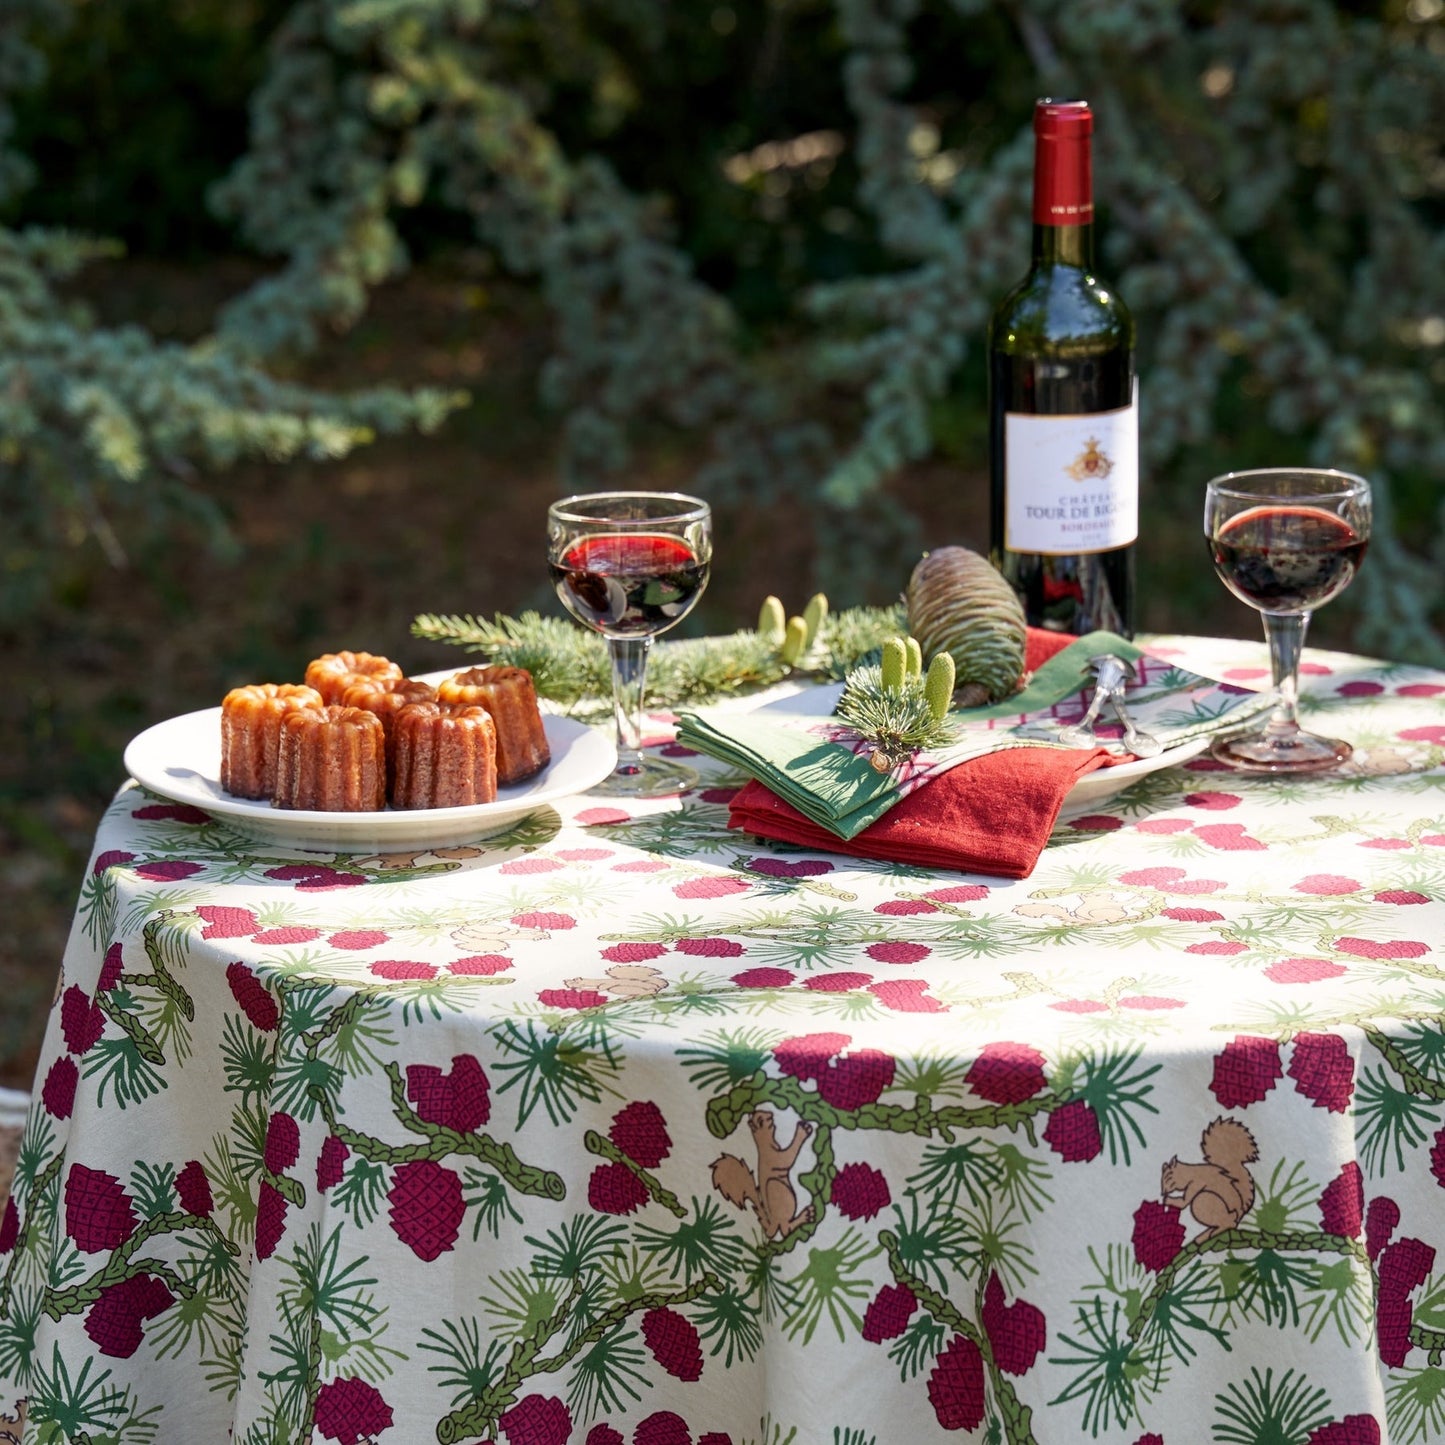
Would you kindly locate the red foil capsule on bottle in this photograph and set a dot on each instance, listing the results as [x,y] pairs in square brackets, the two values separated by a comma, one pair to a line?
[1063,163]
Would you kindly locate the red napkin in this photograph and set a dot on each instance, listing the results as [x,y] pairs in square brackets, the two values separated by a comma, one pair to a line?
[992,814]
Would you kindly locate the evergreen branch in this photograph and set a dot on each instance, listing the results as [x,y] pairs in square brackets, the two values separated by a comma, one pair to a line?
[602,1146]
[43,1181]
[1410,1076]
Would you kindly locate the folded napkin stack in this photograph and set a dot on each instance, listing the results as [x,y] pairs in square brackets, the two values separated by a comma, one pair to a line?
[985,804]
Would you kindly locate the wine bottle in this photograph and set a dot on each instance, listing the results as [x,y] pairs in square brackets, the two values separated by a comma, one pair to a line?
[1063,425]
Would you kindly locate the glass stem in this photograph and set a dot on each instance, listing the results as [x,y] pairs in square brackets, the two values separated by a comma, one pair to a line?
[1286,634]
[629,676]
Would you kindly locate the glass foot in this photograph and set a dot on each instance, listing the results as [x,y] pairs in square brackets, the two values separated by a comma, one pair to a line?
[647,777]
[1281,752]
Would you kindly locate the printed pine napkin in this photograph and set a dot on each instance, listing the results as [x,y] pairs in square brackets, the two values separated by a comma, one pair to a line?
[824,769]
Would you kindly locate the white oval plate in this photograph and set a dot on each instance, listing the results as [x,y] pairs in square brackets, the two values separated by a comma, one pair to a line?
[181,760]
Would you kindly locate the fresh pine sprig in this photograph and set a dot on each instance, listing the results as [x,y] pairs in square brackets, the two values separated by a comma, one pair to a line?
[897,716]
[569,665]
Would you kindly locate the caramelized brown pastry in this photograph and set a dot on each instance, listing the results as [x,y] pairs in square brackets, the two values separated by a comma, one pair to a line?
[508,694]
[251,732]
[386,697]
[334,672]
[445,757]
[332,759]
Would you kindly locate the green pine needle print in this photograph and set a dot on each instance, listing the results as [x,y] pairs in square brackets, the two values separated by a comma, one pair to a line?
[1261,1408]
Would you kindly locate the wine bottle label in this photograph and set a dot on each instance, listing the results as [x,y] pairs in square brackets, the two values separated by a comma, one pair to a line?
[1071,483]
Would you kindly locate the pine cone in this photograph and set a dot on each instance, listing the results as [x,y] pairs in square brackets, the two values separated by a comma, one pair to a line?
[887,1316]
[537,1420]
[605,1435]
[114,1321]
[1380,1221]
[1437,1159]
[111,969]
[1323,1070]
[350,1411]
[905,995]
[674,1343]
[1245,1070]
[662,1428]
[1007,1073]
[9,1226]
[331,1164]
[283,1143]
[426,1207]
[256,1003]
[1342,1205]
[1158,1234]
[226,922]
[271,1207]
[99,1215]
[81,1020]
[640,1131]
[459,1100]
[806,1056]
[58,1091]
[1352,1430]
[860,1191]
[1016,1332]
[1073,1132]
[615,1189]
[854,1080]
[1405,1265]
[955,1388]
[193,1190]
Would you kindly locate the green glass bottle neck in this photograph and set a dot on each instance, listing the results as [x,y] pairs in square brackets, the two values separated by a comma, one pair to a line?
[1064,246]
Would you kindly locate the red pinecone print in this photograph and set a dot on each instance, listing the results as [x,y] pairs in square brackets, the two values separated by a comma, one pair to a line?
[860,1191]
[1150,1439]
[331,1164]
[283,1143]
[853,1080]
[1342,1205]
[711,887]
[662,1428]
[1405,1265]
[710,947]
[99,1215]
[1380,1221]
[605,1435]
[537,1420]
[58,1093]
[674,1343]
[9,1226]
[898,952]
[1437,1159]
[887,1316]
[1352,1430]
[1158,1234]
[81,1020]
[640,1131]
[111,969]
[282,937]
[1007,1073]
[1016,1332]
[715,1437]
[615,1189]
[193,1189]
[906,995]
[544,920]
[224,922]
[110,859]
[114,1321]
[480,965]
[763,978]
[426,1207]
[350,1411]
[403,970]
[836,982]
[167,870]
[1245,1070]
[633,952]
[459,1100]
[271,1207]
[571,998]
[1073,1132]
[1323,1070]
[806,1056]
[256,1003]
[955,1388]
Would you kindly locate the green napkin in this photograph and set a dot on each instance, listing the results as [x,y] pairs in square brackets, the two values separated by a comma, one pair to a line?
[825,771]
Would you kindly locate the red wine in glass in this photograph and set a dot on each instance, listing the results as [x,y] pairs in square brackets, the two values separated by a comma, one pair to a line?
[1286,559]
[629,585]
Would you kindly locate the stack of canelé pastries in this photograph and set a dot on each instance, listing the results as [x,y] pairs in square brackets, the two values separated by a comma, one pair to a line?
[359,734]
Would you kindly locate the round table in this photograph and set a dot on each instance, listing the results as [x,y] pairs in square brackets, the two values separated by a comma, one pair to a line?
[623,1127]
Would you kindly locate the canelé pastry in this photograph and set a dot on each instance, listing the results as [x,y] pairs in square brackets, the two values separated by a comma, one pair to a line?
[445,757]
[331,758]
[386,697]
[251,730]
[333,673]
[507,693]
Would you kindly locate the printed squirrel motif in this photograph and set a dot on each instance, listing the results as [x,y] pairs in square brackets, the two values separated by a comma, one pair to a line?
[770,1191]
[1220,1191]
[9,1436]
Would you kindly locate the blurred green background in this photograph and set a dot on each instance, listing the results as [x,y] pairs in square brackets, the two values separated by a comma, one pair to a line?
[384,276]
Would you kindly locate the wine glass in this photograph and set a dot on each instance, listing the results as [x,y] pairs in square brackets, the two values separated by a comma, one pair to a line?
[630,565]
[1286,540]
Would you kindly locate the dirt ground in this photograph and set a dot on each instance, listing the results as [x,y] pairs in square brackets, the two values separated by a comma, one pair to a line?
[345,556]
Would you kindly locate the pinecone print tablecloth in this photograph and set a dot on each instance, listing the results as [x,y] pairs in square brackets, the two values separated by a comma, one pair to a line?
[623,1129]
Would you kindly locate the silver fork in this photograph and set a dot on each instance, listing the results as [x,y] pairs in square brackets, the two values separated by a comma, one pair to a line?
[1109,673]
